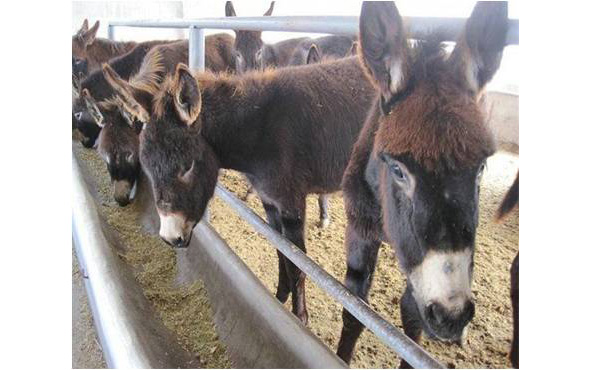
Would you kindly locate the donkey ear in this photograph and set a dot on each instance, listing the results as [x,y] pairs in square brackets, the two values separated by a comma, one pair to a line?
[186,95]
[92,108]
[84,27]
[313,55]
[479,50]
[229,9]
[89,36]
[269,11]
[383,44]
[127,94]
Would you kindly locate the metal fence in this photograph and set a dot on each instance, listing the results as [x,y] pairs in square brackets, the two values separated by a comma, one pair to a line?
[340,25]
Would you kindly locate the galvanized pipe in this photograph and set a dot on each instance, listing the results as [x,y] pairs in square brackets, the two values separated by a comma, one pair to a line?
[111,32]
[393,337]
[197,49]
[338,25]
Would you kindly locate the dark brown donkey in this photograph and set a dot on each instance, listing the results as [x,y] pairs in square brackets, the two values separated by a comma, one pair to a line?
[310,51]
[312,56]
[89,52]
[118,141]
[248,46]
[289,130]
[99,89]
[218,59]
[510,202]
[414,176]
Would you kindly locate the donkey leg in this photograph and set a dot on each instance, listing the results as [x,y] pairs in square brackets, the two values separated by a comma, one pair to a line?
[362,258]
[293,226]
[283,290]
[323,211]
[411,320]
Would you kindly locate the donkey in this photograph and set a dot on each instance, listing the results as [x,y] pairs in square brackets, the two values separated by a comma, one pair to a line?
[89,52]
[314,56]
[79,67]
[510,202]
[248,46]
[289,130]
[99,89]
[93,51]
[118,142]
[218,59]
[413,179]
[327,46]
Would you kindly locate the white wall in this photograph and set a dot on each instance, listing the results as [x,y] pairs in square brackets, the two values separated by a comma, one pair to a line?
[121,10]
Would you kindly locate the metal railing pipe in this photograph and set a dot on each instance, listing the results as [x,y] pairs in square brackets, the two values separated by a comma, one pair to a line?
[111,32]
[393,337]
[450,28]
[197,49]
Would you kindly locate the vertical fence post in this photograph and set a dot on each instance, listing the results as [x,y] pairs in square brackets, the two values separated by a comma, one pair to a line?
[197,52]
[197,63]
[111,32]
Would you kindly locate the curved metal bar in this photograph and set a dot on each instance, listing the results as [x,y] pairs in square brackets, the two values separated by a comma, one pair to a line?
[390,335]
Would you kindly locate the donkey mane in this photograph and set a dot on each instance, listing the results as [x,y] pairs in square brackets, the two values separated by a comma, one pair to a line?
[148,79]
[444,127]
[150,73]
[114,46]
[211,82]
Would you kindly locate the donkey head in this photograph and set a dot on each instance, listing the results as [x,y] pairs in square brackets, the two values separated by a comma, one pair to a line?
[429,152]
[85,113]
[80,66]
[83,38]
[117,145]
[181,165]
[248,49]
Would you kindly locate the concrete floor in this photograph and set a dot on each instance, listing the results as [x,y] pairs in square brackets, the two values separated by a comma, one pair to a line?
[86,350]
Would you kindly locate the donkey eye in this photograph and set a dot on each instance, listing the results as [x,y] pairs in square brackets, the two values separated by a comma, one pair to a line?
[394,167]
[397,171]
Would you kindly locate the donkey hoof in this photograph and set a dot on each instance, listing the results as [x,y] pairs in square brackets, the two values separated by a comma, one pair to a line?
[324,223]
[282,295]
[304,317]
[249,197]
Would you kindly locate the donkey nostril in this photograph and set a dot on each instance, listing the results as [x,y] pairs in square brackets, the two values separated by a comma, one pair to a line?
[435,313]
[469,311]
[179,242]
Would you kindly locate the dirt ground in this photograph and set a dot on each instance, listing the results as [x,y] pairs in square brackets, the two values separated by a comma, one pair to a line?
[185,310]
[86,350]
[490,332]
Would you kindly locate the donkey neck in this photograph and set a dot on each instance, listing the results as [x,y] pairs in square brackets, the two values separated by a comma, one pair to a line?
[102,50]
[234,117]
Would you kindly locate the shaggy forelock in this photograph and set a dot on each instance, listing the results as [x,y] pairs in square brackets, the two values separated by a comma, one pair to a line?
[435,119]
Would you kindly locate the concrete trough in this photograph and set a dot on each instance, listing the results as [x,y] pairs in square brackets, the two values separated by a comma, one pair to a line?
[256,329]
